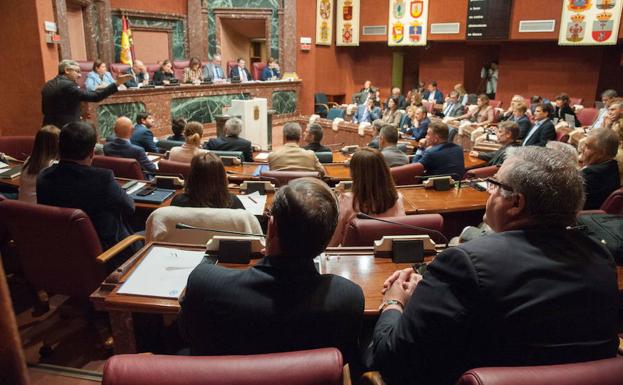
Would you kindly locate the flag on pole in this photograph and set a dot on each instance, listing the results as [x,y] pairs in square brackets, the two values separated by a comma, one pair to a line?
[126,42]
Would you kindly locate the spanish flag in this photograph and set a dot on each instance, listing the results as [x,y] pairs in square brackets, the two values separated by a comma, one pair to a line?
[126,42]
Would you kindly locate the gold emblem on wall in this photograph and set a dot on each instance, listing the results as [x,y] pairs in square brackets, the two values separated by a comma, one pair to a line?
[256,113]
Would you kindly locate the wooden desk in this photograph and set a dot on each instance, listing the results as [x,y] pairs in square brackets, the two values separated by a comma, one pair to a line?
[419,200]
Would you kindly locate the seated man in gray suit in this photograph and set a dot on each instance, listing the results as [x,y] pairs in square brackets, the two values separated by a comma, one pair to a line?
[122,148]
[453,107]
[213,71]
[388,141]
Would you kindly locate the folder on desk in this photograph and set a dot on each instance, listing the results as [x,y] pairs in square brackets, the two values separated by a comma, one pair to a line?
[11,173]
[158,196]
[258,171]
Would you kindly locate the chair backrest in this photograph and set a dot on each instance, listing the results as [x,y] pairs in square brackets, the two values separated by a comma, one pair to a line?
[481,172]
[151,68]
[172,167]
[121,167]
[320,97]
[307,367]
[335,113]
[256,70]
[363,232]
[178,68]
[405,175]
[231,64]
[238,154]
[165,144]
[161,223]
[602,372]
[324,157]
[587,116]
[117,69]
[562,136]
[575,101]
[85,68]
[19,147]
[282,178]
[614,203]
[495,103]
[428,105]
[57,247]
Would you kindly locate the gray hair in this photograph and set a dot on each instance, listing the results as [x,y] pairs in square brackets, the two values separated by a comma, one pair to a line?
[552,186]
[390,134]
[292,131]
[66,63]
[610,93]
[378,124]
[566,149]
[233,127]
[606,140]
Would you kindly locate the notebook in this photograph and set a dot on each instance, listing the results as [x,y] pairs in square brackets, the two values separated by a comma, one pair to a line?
[258,171]
[158,196]
[11,173]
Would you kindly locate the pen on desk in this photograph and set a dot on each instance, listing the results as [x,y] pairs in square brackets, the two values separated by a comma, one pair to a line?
[252,200]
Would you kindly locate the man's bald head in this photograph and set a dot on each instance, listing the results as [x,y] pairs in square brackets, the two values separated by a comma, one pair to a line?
[123,127]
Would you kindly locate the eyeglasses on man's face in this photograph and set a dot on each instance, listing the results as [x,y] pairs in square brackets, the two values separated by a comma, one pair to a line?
[493,184]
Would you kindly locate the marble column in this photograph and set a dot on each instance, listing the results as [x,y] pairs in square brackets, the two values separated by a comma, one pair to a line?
[106,44]
[60,13]
[288,35]
[197,31]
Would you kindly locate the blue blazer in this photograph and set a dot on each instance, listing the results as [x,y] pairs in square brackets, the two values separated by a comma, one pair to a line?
[231,143]
[419,132]
[93,80]
[143,137]
[124,149]
[442,159]
[438,96]
[268,73]
[361,115]
[544,133]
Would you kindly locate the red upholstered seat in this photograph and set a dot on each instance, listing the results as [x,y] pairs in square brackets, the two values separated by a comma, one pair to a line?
[481,172]
[171,167]
[587,116]
[428,105]
[495,103]
[602,372]
[614,203]
[117,69]
[151,68]
[19,147]
[85,68]
[282,178]
[363,232]
[574,101]
[308,367]
[178,68]
[121,167]
[405,175]
[230,64]
[256,70]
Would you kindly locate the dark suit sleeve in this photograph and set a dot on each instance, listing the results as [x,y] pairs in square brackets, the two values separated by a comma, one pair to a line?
[130,83]
[425,341]
[592,182]
[148,142]
[547,133]
[248,153]
[487,155]
[91,96]
[117,197]
[158,78]
[146,164]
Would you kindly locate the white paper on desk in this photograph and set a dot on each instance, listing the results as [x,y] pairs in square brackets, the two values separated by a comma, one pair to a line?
[135,188]
[3,165]
[262,156]
[257,207]
[162,273]
[153,158]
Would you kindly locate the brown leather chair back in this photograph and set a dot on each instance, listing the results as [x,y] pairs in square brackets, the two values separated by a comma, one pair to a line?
[172,167]
[495,103]
[405,175]
[230,64]
[308,367]
[19,147]
[85,68]
[363,232]
[575,101]
[602,372]
[151,68]
[121,167]
[12,361]
[178,68]
[117,69]
[282,178]
[587,116]
[256,70]
[614,203]
[481,172]
[57,247]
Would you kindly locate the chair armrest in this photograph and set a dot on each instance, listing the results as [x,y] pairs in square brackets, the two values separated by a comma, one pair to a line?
[371,378]
[333,104]
[482,172]
[119,247]
[326,107]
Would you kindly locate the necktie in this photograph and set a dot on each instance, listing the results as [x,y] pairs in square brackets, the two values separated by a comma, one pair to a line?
[243,74]
[448,109]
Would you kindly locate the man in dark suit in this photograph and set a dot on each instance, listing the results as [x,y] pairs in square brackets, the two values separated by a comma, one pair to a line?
[507,134]
[453,107]
[123,148]
[213,71]
[74,183]
[139,74]
[536,292]
[366,92]
[520,117]
[281,303]
[142,135]
[313,136]
[440,156]
[543,129]
[231,141]
[240,71]
[432,94]
[600,171]
[61,96]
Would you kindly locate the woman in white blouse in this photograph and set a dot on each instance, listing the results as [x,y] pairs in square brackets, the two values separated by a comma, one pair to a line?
[192,136]
[44,153]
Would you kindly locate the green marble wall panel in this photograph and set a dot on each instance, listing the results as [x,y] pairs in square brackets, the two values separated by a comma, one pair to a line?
[203,109]
[179,33]
[267,4]
[108,113]
[284,102]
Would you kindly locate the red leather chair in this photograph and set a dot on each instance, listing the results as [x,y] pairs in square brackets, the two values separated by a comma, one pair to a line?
[363,232]
[117,69]
[405,175]
[58,248]
[481,172]
[574,101]
[121,167]
[230,64]
[562,136]
[282,178]
[151,68]
[587,116]
[428,105]
[495,103]
[256,70]
[178,68]
[85,68]
[19,147]
[171,167]
[602,372]
[614,203]
[308,367]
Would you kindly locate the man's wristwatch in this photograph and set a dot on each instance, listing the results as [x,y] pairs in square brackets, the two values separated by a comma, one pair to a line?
[391,302]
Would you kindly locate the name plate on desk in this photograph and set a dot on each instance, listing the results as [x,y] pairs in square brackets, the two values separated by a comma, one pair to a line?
[394,246]
[235,249]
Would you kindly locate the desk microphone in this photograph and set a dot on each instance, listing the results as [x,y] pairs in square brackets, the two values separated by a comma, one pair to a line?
[183,226]
[361,215]
[260,177]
